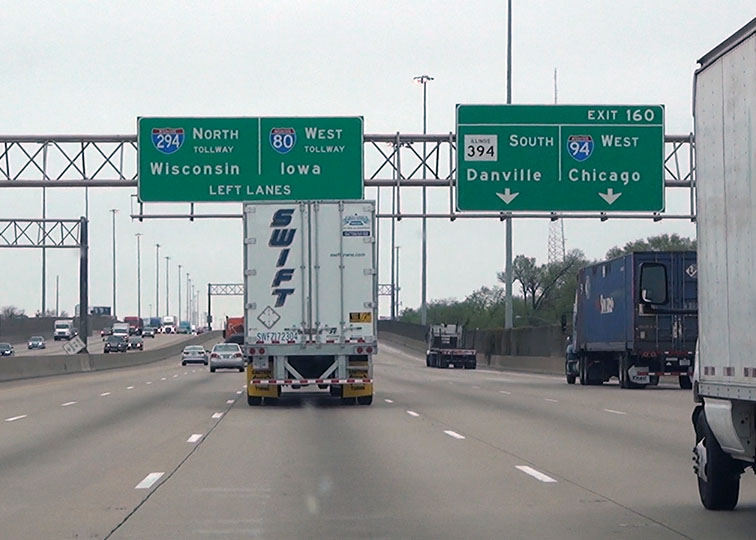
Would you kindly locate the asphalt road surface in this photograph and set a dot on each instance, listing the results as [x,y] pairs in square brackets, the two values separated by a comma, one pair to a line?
[165,451]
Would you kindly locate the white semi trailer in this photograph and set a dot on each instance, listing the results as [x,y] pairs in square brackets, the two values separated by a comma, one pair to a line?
[724,108]
[310,285]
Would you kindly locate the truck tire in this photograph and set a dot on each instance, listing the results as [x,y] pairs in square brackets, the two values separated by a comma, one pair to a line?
[348,401]
[583,371]
[427,360]
[335,390]
[470,366]
[365,400]
[254,401]
[569,376]
[624,365]
[685,382]
[721,488]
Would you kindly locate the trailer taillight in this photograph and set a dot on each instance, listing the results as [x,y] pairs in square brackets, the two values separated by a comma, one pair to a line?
[369,350]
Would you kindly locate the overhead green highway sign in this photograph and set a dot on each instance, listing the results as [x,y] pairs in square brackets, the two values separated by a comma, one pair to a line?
[560,157]
[249,159]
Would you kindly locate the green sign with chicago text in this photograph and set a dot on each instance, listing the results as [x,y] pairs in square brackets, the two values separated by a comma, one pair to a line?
[560,157]
[249,159]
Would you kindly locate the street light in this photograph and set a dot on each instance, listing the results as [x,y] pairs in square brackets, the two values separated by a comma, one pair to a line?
[114,211]
[424,79]
[157,280]
[179,292]
[508,249]
[167,288]
[398,287]
[139,274]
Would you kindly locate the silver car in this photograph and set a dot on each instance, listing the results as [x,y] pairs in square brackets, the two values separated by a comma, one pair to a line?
[226,355]
[192,354]
[36,342]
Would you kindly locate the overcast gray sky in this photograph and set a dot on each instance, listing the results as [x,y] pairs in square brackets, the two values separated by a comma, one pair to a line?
[92,67]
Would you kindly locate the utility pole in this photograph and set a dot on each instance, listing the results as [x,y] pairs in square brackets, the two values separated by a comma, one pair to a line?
[188,297]
[508,320]
[157,280]
[398,287]
[114,211]
[139,274]
[179,292]
[424,79]
[57,296]
[167,289]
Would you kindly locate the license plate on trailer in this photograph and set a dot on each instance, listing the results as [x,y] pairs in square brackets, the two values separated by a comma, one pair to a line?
[685,361]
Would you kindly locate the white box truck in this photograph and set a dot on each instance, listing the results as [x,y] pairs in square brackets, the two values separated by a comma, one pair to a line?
[63,329]
[169,325]
[724,110]
[310,285]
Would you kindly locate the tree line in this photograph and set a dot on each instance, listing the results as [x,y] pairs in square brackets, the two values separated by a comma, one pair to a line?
[546,291]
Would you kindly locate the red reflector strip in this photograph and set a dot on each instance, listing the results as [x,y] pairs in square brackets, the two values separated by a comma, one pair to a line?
[310,381]
[303,381]
[318,381]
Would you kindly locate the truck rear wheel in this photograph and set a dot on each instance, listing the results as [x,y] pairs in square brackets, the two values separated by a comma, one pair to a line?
[685,382]
[568,374]
[365,400]
[254,401]
[722,485]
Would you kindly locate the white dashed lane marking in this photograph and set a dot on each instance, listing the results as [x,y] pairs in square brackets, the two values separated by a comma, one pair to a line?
[217,415]
[538,475]
[129,388]
[14,418]
[105,394]
[613,411]
[194,438]
[229,401]
[551,400]
[504,392]
[454,434]
[388,400]
[67,403]
[149,480]
[412,413]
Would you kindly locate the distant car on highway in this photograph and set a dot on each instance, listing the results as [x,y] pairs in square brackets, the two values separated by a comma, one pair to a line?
[148,331]
[105,332]
[226,355]
[6,349]
[116,344]
[192,354]
[136,343]
[36,342]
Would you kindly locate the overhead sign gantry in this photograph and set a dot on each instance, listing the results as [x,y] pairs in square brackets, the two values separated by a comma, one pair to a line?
[560,157]
[249,159]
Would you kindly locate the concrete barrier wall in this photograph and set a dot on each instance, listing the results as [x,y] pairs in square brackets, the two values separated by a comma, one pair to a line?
[24,367]
[535,350]
[18,330]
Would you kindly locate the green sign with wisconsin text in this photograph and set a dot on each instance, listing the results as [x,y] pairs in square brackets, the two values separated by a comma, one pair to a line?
[560,157]
[249,159]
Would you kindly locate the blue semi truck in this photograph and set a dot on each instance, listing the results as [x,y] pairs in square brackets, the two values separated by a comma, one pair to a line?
[616,334]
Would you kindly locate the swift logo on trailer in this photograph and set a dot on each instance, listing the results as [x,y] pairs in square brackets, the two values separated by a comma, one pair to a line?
[281,237]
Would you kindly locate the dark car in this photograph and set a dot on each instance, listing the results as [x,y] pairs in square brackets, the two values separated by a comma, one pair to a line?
[116,344]
[105,332]
[6,349]
[36,342]
[136,343]
[148,331]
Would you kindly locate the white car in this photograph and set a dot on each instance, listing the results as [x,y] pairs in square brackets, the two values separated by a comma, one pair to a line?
[226,355]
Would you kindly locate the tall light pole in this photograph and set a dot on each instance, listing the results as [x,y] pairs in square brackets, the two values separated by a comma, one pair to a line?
[139,274]
[424,79]
[114,211]
[157,280]
[167,289]
[179,292]
[188,281]
[508,321]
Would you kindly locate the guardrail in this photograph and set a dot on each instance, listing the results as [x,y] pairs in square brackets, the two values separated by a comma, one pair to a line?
[26,367]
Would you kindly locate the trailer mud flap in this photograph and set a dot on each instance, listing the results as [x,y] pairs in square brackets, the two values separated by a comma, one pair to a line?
[356,390]
[261,390]
[639,375]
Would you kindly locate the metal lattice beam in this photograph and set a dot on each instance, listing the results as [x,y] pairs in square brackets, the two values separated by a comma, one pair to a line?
[226,289]
[40,233]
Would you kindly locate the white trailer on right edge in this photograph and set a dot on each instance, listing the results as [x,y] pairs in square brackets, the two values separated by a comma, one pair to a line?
[311,298]
[724,109]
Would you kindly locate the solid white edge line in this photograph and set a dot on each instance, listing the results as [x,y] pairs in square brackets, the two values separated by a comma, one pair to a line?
[105,394]
[217,415]
[538,475]
[14,418]
[412,413]
[149,480]
[454,434]
[194,438]
[67,403]
[613,411]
